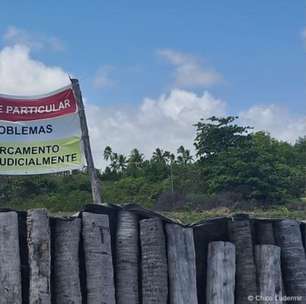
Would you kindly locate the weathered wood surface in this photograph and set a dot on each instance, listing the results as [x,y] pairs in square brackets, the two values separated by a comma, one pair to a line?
[10,275]
[142,268]
[127,249]
[66,261]
[264,233]
[181,265]
[240,235]
[98,259]
[208,231]
[289,238]
[95,184]
[39,249]
[24,256]
[221,270]
[154,262]
[269,274]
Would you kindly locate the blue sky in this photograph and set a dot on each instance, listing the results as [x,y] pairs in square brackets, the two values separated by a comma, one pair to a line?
[255,45]
[245,53]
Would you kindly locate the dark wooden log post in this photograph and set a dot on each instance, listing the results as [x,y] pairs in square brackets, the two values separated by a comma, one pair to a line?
[269,275]
[181,265]
[154,262]
[264,232]
[289,238]
[39,248]
[95,184]
[66,261]
[98,259]
[240,235]
[127,249]
[221,273]
[10,275]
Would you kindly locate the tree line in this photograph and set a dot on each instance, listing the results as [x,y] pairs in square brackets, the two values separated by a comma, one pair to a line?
[231,164]
[229,158]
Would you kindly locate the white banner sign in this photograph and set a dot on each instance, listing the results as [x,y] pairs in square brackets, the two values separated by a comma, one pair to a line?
[40,134]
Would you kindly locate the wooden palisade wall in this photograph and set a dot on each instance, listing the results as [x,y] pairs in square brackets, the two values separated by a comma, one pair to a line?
[109,255]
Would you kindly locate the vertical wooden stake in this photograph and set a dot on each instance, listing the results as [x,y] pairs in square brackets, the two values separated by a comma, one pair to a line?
[10,276]
[153,262]
[39,256]
[240,234]
[95,186]
[98,259]
[221,270]
[127,249]
[269,274]
[66,276]
[181,265]
[289,238]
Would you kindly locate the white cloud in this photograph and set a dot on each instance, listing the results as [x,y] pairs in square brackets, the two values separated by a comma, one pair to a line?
[189,72]
[21,75]
[165,122]
[103,78]
[14,35]
[278,121]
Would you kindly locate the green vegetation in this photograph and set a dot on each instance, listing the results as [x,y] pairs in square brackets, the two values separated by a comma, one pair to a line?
[276,212]
[233,169]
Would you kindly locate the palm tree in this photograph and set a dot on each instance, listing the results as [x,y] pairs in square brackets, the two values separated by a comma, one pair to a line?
[181,150]
[158,155]
[122,162]
[161,156]
[136,158]
[114,162]
[107,152]
[169,157]
[188,157]
[118,161]
[184,156]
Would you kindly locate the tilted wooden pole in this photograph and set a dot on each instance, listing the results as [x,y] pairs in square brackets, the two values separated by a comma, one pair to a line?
[95,186]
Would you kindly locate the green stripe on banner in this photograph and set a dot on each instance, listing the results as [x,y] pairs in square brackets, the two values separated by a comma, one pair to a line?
[41,157]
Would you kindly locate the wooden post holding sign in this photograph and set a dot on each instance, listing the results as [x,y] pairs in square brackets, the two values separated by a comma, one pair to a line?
[95,186]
